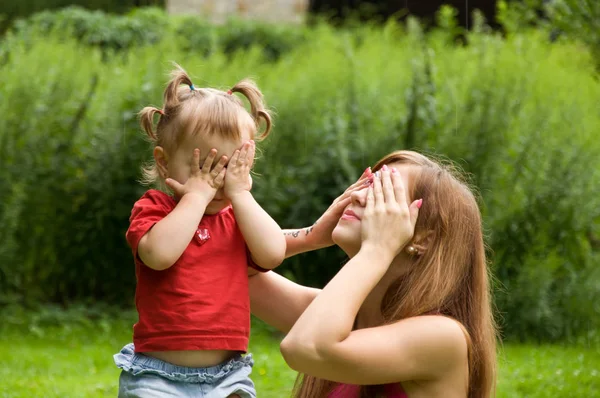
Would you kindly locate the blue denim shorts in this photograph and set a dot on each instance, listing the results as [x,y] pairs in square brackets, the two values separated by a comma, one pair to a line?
[147,377]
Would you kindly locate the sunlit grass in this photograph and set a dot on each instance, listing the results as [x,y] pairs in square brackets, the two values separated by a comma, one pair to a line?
[72,357]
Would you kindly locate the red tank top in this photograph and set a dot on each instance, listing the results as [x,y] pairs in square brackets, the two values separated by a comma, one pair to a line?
[201,302]
[393,390]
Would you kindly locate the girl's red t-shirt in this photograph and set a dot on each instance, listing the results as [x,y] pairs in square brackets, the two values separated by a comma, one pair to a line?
[201,302]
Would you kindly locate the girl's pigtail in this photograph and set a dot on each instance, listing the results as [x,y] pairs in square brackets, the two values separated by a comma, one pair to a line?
[257,108]
[171,95]
[147,121]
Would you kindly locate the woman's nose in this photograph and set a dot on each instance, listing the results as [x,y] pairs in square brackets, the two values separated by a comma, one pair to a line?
[359,198]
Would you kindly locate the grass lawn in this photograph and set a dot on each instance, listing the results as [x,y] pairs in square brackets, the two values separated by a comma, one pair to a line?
[50,356]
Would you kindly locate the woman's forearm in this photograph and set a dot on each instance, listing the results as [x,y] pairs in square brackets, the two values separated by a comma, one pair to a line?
[277,300]
[330,317]
[299,241]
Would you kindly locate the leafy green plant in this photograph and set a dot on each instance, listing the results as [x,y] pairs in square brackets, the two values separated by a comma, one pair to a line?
[12,10]
[504,109]
[147,26]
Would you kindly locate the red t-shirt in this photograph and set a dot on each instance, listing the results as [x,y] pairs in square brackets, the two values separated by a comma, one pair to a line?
[201,302]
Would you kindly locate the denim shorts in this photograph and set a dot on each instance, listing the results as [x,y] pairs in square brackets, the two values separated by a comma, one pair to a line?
[146,377]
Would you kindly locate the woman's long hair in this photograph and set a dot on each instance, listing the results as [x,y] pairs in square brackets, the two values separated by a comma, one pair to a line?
[449,278]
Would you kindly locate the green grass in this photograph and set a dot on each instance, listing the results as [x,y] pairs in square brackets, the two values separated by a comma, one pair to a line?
[73,358]
[549,371]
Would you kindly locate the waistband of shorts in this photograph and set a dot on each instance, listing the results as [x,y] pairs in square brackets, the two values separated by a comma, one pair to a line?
[137,363]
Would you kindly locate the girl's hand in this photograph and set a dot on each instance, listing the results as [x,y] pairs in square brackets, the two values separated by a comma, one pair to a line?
[388,222]
[238,178]
[202,181]
[320,232]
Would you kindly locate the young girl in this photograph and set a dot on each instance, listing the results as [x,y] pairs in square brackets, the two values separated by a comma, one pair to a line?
[192,249]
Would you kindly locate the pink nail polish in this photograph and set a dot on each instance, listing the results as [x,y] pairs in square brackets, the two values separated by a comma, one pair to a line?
[384,167]
[394,171]
[419,203]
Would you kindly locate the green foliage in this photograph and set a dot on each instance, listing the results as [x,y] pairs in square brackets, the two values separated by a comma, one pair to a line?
[23,8]
[515,16]
[518,114]
[575,20]
[147,26]
[96,28]
[578,19]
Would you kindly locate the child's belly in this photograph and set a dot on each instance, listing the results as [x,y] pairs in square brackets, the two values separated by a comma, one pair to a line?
[193,359]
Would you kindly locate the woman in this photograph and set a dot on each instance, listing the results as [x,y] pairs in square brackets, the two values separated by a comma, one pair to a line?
[409,315]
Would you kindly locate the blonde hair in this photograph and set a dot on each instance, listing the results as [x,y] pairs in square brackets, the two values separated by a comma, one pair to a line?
[450,278]
[191,110]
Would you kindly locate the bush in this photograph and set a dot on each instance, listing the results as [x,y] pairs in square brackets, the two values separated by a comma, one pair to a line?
[504,109]
[575,20]
[12,10]
[580,20]
[147,26]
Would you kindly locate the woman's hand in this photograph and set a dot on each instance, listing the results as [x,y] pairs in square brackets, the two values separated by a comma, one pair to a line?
[388,222]
[320,232]
[202,181]
[238,178]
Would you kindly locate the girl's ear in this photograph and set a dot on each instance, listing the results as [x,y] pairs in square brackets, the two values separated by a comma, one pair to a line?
[161,160]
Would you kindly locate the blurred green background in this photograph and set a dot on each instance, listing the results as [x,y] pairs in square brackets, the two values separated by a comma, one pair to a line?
[512,96]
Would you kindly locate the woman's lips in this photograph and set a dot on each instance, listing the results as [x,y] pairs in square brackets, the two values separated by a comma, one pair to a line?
[350,215]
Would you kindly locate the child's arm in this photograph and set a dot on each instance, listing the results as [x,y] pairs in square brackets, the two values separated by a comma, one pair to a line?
[166,241]
[318,235]
[261,233]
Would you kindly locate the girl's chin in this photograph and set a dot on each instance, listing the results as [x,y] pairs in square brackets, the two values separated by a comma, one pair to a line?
[216,206]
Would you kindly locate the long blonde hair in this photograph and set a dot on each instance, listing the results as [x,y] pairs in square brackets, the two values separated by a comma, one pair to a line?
[449,278]
[193,110]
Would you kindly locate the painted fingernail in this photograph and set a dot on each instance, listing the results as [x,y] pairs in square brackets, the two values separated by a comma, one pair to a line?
[384,167]
[394,171]
[419,203]
[367,171]
[377,174]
